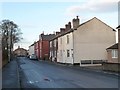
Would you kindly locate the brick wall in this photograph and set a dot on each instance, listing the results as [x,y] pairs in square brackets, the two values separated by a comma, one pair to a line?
[111,67]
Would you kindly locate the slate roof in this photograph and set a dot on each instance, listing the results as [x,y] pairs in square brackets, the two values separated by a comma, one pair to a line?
[115,46]
[47,37]
[62,34]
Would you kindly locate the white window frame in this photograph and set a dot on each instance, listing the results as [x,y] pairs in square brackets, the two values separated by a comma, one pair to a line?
[68,53]
[61,40]
[114,53]
[67,39]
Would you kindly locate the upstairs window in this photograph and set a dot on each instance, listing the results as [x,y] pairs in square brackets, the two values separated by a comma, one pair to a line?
[67,39]
[60,40]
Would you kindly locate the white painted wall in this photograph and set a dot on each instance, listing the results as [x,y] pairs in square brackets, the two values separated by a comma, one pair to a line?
[63,46]
[31,50]
[91,40]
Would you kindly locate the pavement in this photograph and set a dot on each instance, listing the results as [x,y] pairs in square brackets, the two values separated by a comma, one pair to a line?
[10,75]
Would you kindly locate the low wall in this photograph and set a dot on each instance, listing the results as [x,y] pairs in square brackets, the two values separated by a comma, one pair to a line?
[115,67]
[4,62]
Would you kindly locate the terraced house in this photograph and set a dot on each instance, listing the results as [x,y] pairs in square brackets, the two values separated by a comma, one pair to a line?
[85,43]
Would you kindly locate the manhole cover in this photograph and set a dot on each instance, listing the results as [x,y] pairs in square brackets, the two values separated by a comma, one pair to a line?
[46,79]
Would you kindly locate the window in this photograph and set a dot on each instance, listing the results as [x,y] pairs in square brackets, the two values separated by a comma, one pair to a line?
[54,43]
[114,53]
[72,52]
[61,40]
[68,53]
[61,52]
[67,39]
[50,43]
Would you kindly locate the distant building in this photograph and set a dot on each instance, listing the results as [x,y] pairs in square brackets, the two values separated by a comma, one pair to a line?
[20,52]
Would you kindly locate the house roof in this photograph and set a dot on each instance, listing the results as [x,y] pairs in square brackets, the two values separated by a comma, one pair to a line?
[115,46]
[20,49]
[47,37]
[61,34]
[71,30]
[32,44]
[118,27]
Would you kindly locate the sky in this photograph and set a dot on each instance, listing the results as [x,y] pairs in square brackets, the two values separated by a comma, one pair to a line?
[36,17]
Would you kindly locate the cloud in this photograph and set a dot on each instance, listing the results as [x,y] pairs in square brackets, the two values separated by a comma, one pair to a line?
[94,6]
[29,26]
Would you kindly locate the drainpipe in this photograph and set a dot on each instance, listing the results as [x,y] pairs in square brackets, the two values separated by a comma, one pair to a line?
[73,46]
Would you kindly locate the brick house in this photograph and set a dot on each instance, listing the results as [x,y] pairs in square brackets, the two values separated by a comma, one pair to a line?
[113,53]
[44,46]
[114,50]
[113,63]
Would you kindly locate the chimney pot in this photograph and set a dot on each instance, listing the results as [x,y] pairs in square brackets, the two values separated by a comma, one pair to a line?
[57,33]
[68,26]
[75,22]
[62,30]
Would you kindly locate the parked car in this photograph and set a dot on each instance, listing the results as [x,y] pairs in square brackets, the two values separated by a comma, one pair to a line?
[33,56]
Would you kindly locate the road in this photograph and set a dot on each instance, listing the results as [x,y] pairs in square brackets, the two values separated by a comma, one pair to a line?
[42,74]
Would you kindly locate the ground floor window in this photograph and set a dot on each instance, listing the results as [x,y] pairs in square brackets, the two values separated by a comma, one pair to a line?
[114,53]
[68,53]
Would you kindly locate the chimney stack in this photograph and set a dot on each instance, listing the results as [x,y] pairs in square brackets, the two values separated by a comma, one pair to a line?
[62,30]
[75,22]
[18,46]
[57,33]
[68,26]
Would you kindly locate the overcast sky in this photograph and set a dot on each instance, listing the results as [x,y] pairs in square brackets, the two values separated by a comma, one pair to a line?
[35,17]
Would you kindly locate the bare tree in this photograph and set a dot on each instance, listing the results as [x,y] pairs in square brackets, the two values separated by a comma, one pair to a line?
[11,34]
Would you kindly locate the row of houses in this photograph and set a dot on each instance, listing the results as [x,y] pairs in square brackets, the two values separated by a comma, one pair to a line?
[41,47]
[85,43]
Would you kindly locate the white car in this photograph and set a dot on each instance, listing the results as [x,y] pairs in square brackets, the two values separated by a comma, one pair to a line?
[33,56]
